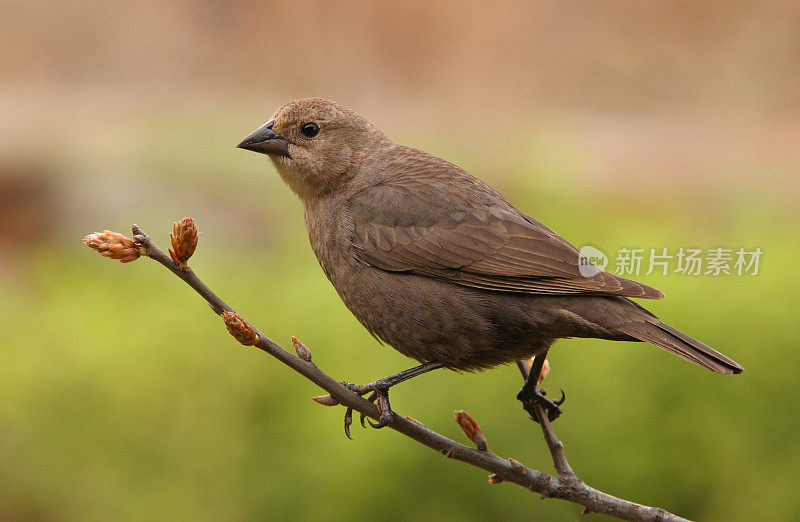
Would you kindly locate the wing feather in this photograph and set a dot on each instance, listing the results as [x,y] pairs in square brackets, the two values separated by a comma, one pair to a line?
[429,225]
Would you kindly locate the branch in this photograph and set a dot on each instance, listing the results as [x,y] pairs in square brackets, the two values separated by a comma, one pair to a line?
[566,486]
[553,444]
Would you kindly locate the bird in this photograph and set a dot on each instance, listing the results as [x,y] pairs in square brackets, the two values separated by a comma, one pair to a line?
[439,265]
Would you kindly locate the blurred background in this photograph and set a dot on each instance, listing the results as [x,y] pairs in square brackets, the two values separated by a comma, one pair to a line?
[635,125]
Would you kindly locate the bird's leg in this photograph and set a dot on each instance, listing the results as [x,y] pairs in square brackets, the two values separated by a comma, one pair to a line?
[531,393]
[379,391]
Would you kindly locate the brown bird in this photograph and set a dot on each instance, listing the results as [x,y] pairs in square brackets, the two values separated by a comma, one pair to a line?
[438,264]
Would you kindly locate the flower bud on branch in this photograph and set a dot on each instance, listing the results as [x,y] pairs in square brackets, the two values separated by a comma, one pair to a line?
[115,246]
[184,241]
[545,370]
[495,479]
[471,429]
[325,400]
[302,352]
[239,328]
[415,421]
[518,467]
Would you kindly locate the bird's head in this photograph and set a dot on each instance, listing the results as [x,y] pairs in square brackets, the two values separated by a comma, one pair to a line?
[315,144]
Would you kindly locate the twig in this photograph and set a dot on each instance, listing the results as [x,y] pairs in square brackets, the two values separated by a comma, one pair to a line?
[553,444]
[565,486]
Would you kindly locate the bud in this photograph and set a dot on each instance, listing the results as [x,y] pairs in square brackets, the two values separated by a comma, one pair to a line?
[115,246]
[415,421]
[545,370]
[471,429]
[239,328]
[302,352]
[184,241]
[495,479]
[325,400]
[518,467]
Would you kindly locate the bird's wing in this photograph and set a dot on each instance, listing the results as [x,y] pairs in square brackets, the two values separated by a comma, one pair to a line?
[494,247]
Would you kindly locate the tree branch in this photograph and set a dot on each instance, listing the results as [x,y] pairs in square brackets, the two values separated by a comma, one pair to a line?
[553,444]
[566,486]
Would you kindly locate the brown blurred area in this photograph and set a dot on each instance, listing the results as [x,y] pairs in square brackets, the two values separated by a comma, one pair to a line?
[649,94]
[710,56]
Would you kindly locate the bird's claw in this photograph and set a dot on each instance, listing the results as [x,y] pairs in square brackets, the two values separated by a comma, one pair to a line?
[386,412]
[379,393]
[537,396]
[363,418]
[383,422]
[348,420]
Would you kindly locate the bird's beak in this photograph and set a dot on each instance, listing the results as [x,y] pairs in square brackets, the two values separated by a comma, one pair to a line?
[266,141]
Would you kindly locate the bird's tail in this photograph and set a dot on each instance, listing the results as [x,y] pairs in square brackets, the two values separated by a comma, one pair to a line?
[653,331]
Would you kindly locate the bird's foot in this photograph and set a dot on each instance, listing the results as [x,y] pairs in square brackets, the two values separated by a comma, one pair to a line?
[379,394]
[532,396]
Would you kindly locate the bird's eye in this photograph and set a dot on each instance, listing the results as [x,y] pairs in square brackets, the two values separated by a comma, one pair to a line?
[310,130]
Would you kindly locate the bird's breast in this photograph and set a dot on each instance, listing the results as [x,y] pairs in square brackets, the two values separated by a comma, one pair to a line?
[330,233]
